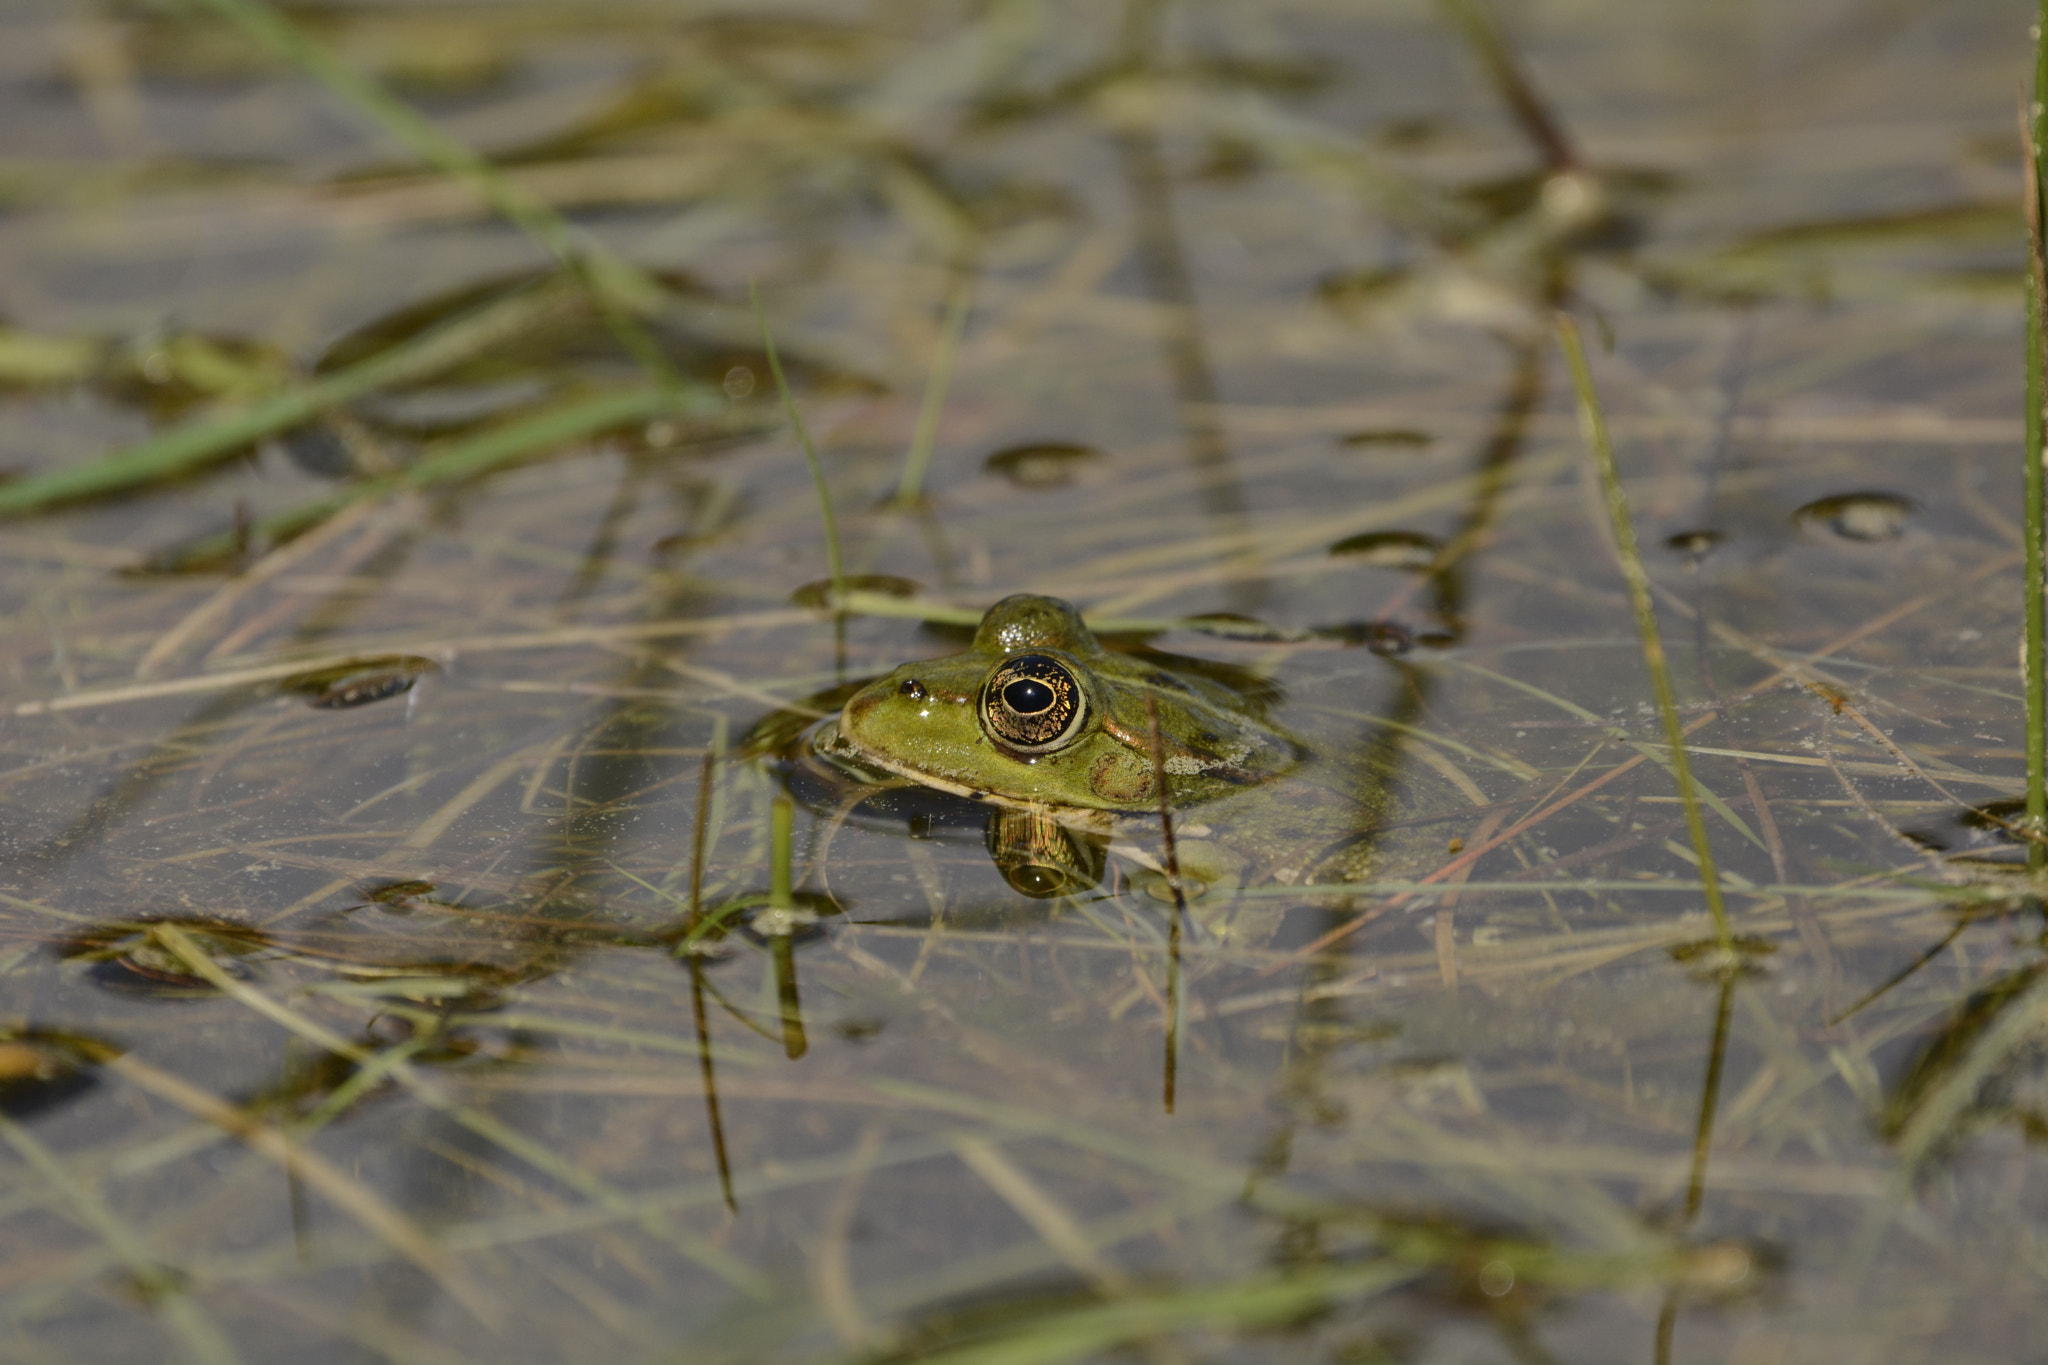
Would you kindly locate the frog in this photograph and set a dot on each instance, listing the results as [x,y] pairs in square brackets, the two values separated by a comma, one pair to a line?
[1068,743]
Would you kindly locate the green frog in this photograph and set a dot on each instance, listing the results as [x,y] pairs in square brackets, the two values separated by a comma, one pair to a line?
[1068,742]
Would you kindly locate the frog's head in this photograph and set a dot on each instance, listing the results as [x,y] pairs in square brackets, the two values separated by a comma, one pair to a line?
[1037,713]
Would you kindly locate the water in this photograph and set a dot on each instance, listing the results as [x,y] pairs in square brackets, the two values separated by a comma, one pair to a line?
[351,815]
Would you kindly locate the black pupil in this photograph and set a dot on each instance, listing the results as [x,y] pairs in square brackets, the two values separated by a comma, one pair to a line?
[1027,696]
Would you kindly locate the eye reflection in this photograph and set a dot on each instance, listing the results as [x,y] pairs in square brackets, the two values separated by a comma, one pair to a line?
[1041,858]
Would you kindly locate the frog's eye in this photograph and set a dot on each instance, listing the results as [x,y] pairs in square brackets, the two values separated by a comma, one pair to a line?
[1032,705]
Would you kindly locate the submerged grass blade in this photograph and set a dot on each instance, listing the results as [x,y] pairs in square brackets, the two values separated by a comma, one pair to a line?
[1594,423]
[158,1281]
[2035,578]
[833,559]
[380,1218]
[1267,1301]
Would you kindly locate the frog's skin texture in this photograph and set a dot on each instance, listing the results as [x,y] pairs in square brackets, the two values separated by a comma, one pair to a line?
[948,723]
[1079,757]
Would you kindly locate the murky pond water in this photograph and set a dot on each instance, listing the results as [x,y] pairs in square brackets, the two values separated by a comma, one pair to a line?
[418,601]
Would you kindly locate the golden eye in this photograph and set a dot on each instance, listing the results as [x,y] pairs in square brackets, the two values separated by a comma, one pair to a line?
[1032,705]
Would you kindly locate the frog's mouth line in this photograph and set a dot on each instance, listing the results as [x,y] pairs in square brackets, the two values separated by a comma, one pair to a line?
[830,737]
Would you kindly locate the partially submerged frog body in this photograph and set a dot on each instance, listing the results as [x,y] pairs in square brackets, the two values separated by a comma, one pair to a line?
[1037,719]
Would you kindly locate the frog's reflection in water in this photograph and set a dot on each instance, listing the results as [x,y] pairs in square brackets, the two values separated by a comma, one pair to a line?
[1036,853]
[1040,857]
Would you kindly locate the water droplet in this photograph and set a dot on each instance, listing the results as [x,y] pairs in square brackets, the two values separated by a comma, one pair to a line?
[1496,1278]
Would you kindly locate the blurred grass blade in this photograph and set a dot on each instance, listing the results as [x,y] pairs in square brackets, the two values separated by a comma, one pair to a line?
[157,1281]
[617,287]
[486,452]
[1514,86]
[835,563]
[186,449]
[1594,423]
[397,1231]
[910,488]
[1095,1329]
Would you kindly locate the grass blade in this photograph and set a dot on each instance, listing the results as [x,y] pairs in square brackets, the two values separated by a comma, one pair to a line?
[154,1278]
[484,453]
[1594,423]
[911,487]
[617,287]
[187,449]
[833,558]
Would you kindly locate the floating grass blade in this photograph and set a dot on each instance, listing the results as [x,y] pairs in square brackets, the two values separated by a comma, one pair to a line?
[911,487]
[1594,423]
[2035,583]
[832,556]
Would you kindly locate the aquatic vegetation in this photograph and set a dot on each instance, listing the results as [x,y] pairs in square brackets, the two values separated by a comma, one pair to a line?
[456,455]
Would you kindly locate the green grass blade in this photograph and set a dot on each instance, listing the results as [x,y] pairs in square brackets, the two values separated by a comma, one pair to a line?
[835,563]
[1266,1301]
[616,286]
[484,453]
[186,449]
[1594,423]
[915,464]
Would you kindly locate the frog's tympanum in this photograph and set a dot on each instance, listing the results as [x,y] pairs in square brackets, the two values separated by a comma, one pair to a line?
[1057,733]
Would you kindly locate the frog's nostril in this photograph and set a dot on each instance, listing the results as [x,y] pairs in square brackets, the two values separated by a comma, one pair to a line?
[911,688]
